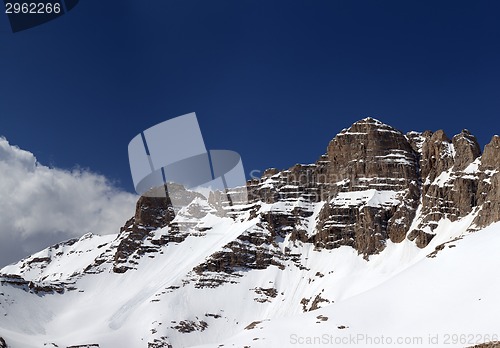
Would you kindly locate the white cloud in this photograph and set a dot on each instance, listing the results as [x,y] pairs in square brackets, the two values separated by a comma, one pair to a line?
[40,206]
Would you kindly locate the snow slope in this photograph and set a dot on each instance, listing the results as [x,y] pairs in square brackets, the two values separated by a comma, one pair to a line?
[399,293]
[448,301]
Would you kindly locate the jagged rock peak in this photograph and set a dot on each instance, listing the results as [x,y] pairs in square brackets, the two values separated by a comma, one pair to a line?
[368,125]
[467,149]
[371,120]
[369,141]
[416,140]
[440,135]
[491,155]
[270,172]
[437,154]
[369,185]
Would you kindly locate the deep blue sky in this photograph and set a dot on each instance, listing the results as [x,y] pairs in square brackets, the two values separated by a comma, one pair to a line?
[273,80]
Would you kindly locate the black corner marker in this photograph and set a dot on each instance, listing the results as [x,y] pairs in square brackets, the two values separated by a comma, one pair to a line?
[26,14]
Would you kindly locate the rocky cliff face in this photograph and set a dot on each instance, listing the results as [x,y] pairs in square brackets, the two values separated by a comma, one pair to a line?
[373,180]
[378,164]
[374,184]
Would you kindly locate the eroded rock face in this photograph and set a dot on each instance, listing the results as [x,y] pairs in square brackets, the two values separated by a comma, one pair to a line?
[490,159]
[139,234]
[365,190]
[437,155]
[378,165]
[488,191]
[372,150]
[466,148]
[368,184]
[151,213]
[450,181]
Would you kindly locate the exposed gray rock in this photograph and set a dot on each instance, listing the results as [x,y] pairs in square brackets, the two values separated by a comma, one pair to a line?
[369,156]
[466,148]
[369,184]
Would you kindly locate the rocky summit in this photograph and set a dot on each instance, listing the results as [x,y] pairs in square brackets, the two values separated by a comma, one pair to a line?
[375,217]
[374,179]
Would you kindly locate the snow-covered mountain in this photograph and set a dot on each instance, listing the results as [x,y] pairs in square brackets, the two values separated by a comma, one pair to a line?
[388,239]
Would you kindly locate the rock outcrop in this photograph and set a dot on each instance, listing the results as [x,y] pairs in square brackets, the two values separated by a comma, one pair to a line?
[364,191]
[374,184]
[151,214]
[376,164]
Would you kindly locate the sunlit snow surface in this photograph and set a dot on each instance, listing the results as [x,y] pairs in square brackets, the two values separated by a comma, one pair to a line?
[399,293]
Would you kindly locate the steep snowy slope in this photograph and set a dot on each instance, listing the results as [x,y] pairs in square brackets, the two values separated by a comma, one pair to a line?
[400,292]
[448,301]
